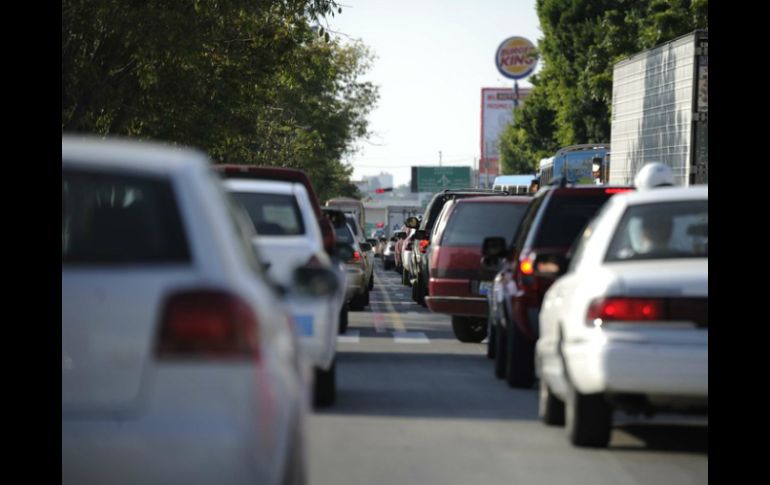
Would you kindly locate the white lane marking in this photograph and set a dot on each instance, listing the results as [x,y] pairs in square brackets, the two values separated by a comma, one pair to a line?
[410,338]
[349,337]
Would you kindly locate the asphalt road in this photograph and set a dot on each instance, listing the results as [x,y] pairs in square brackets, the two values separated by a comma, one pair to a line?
[416,406]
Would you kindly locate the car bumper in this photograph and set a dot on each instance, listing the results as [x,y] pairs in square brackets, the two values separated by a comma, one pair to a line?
[645,368]
[225,423]
[452,296]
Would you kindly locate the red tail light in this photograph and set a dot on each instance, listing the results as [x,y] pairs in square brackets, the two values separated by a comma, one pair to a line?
[616,191]
[208,323]
[527,266]
[356,257]
[424,246]
[625,309]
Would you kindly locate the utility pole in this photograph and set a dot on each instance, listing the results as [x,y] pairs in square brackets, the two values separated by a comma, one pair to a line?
[439,158]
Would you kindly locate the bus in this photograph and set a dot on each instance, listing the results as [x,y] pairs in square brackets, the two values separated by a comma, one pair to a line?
[513,184]
[580,164]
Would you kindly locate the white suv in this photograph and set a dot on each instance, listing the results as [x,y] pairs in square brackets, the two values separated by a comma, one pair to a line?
[179,361]
[288,237]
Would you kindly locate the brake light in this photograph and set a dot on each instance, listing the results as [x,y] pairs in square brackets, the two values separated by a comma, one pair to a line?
[526,266]
[356,257]
[616,191]
[424,246]
[624,309]
[207,323]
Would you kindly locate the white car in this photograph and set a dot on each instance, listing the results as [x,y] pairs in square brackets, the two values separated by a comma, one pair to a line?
[179,363]
[288,237]
[627,326]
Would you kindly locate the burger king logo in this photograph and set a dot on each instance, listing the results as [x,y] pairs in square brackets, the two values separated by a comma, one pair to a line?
[515,58]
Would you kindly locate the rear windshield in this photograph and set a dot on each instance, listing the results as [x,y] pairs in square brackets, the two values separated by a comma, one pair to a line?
[112,218]
[344,234]
[272,214]
[564,217]
[663,230]
[470,224]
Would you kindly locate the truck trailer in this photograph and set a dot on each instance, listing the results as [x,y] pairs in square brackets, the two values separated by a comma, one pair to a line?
[660,111]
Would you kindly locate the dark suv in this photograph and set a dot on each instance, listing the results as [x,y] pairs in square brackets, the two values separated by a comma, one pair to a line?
[532,263]
[422,253]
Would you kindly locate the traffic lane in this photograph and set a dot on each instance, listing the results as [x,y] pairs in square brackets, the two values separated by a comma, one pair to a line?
[432,412]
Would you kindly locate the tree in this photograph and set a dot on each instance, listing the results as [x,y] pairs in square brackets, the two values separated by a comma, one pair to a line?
[245,81]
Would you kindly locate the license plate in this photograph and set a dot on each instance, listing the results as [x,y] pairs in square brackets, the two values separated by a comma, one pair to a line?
[304,325]
[484,287]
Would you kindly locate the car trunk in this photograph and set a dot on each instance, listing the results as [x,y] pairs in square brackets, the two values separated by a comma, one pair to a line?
[284,254]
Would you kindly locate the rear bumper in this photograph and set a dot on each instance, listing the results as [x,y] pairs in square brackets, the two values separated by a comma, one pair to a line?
[471,306]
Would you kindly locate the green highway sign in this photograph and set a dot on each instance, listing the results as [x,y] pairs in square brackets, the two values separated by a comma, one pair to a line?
[436,179]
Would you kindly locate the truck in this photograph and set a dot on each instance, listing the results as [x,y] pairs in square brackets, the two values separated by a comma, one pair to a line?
[347,204]
[660,111]
[396,215]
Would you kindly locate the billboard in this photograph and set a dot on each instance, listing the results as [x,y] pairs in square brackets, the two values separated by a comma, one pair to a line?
[436,179]
[496,114]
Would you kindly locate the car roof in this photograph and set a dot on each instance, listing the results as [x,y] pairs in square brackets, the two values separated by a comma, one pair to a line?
[660,194]
[154,157]
[265,186]
[496,199]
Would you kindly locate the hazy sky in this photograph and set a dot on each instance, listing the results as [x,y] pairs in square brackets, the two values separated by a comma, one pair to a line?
[432,59]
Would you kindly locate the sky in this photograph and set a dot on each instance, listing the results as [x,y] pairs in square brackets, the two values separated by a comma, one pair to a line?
[432,57]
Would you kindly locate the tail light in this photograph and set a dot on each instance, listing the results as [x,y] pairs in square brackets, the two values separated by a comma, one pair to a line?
[617,191]
[527,265]
[624,309]
[208,323]
[356,257]
[424,246]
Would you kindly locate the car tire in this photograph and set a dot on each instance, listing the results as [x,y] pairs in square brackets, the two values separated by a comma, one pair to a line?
[371,281]
[519,359]
[365,299]
[405,278]
[357,303]
[500,351]
[492,340]
[423,293]
[468,330]
[343,320]
[588,419]
[325,387]
[416,292]
[550,408]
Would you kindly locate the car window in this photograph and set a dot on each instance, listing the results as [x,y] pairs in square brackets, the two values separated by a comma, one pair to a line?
[470,224]
[526,222]
[116,219]
[565,217]
[662,230]
[344,234]
[272,214]
[578,248]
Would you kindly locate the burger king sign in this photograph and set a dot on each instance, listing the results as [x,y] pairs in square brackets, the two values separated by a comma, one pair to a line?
[515,58]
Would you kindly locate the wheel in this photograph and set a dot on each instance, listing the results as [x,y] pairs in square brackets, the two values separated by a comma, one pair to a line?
[366,299]
[405,277]
[519,359]
[416,292]
[550,408]
[468,329]
[500,351]
[588,419]
[325,388]
[491,342]
[357,303]
[371,281]
[423,293]
[343,321]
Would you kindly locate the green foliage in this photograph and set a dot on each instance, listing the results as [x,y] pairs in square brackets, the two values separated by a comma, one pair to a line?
[572,95]
[246,81]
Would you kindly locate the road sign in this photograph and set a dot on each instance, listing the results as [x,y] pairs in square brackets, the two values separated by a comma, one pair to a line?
[436,179]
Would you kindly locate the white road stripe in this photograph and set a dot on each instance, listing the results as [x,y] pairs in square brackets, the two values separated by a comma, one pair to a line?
[410,338]
[349,337]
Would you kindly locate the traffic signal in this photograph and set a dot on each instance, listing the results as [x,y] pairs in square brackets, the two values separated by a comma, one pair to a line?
[382,191]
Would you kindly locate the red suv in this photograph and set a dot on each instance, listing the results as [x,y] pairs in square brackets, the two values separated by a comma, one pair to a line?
[457,283]
[537,257]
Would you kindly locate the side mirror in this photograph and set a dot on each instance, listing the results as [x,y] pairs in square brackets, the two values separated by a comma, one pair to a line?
[421,235]
[328,235]
[365,246]
[412,222]
[493,250]
[315,282]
